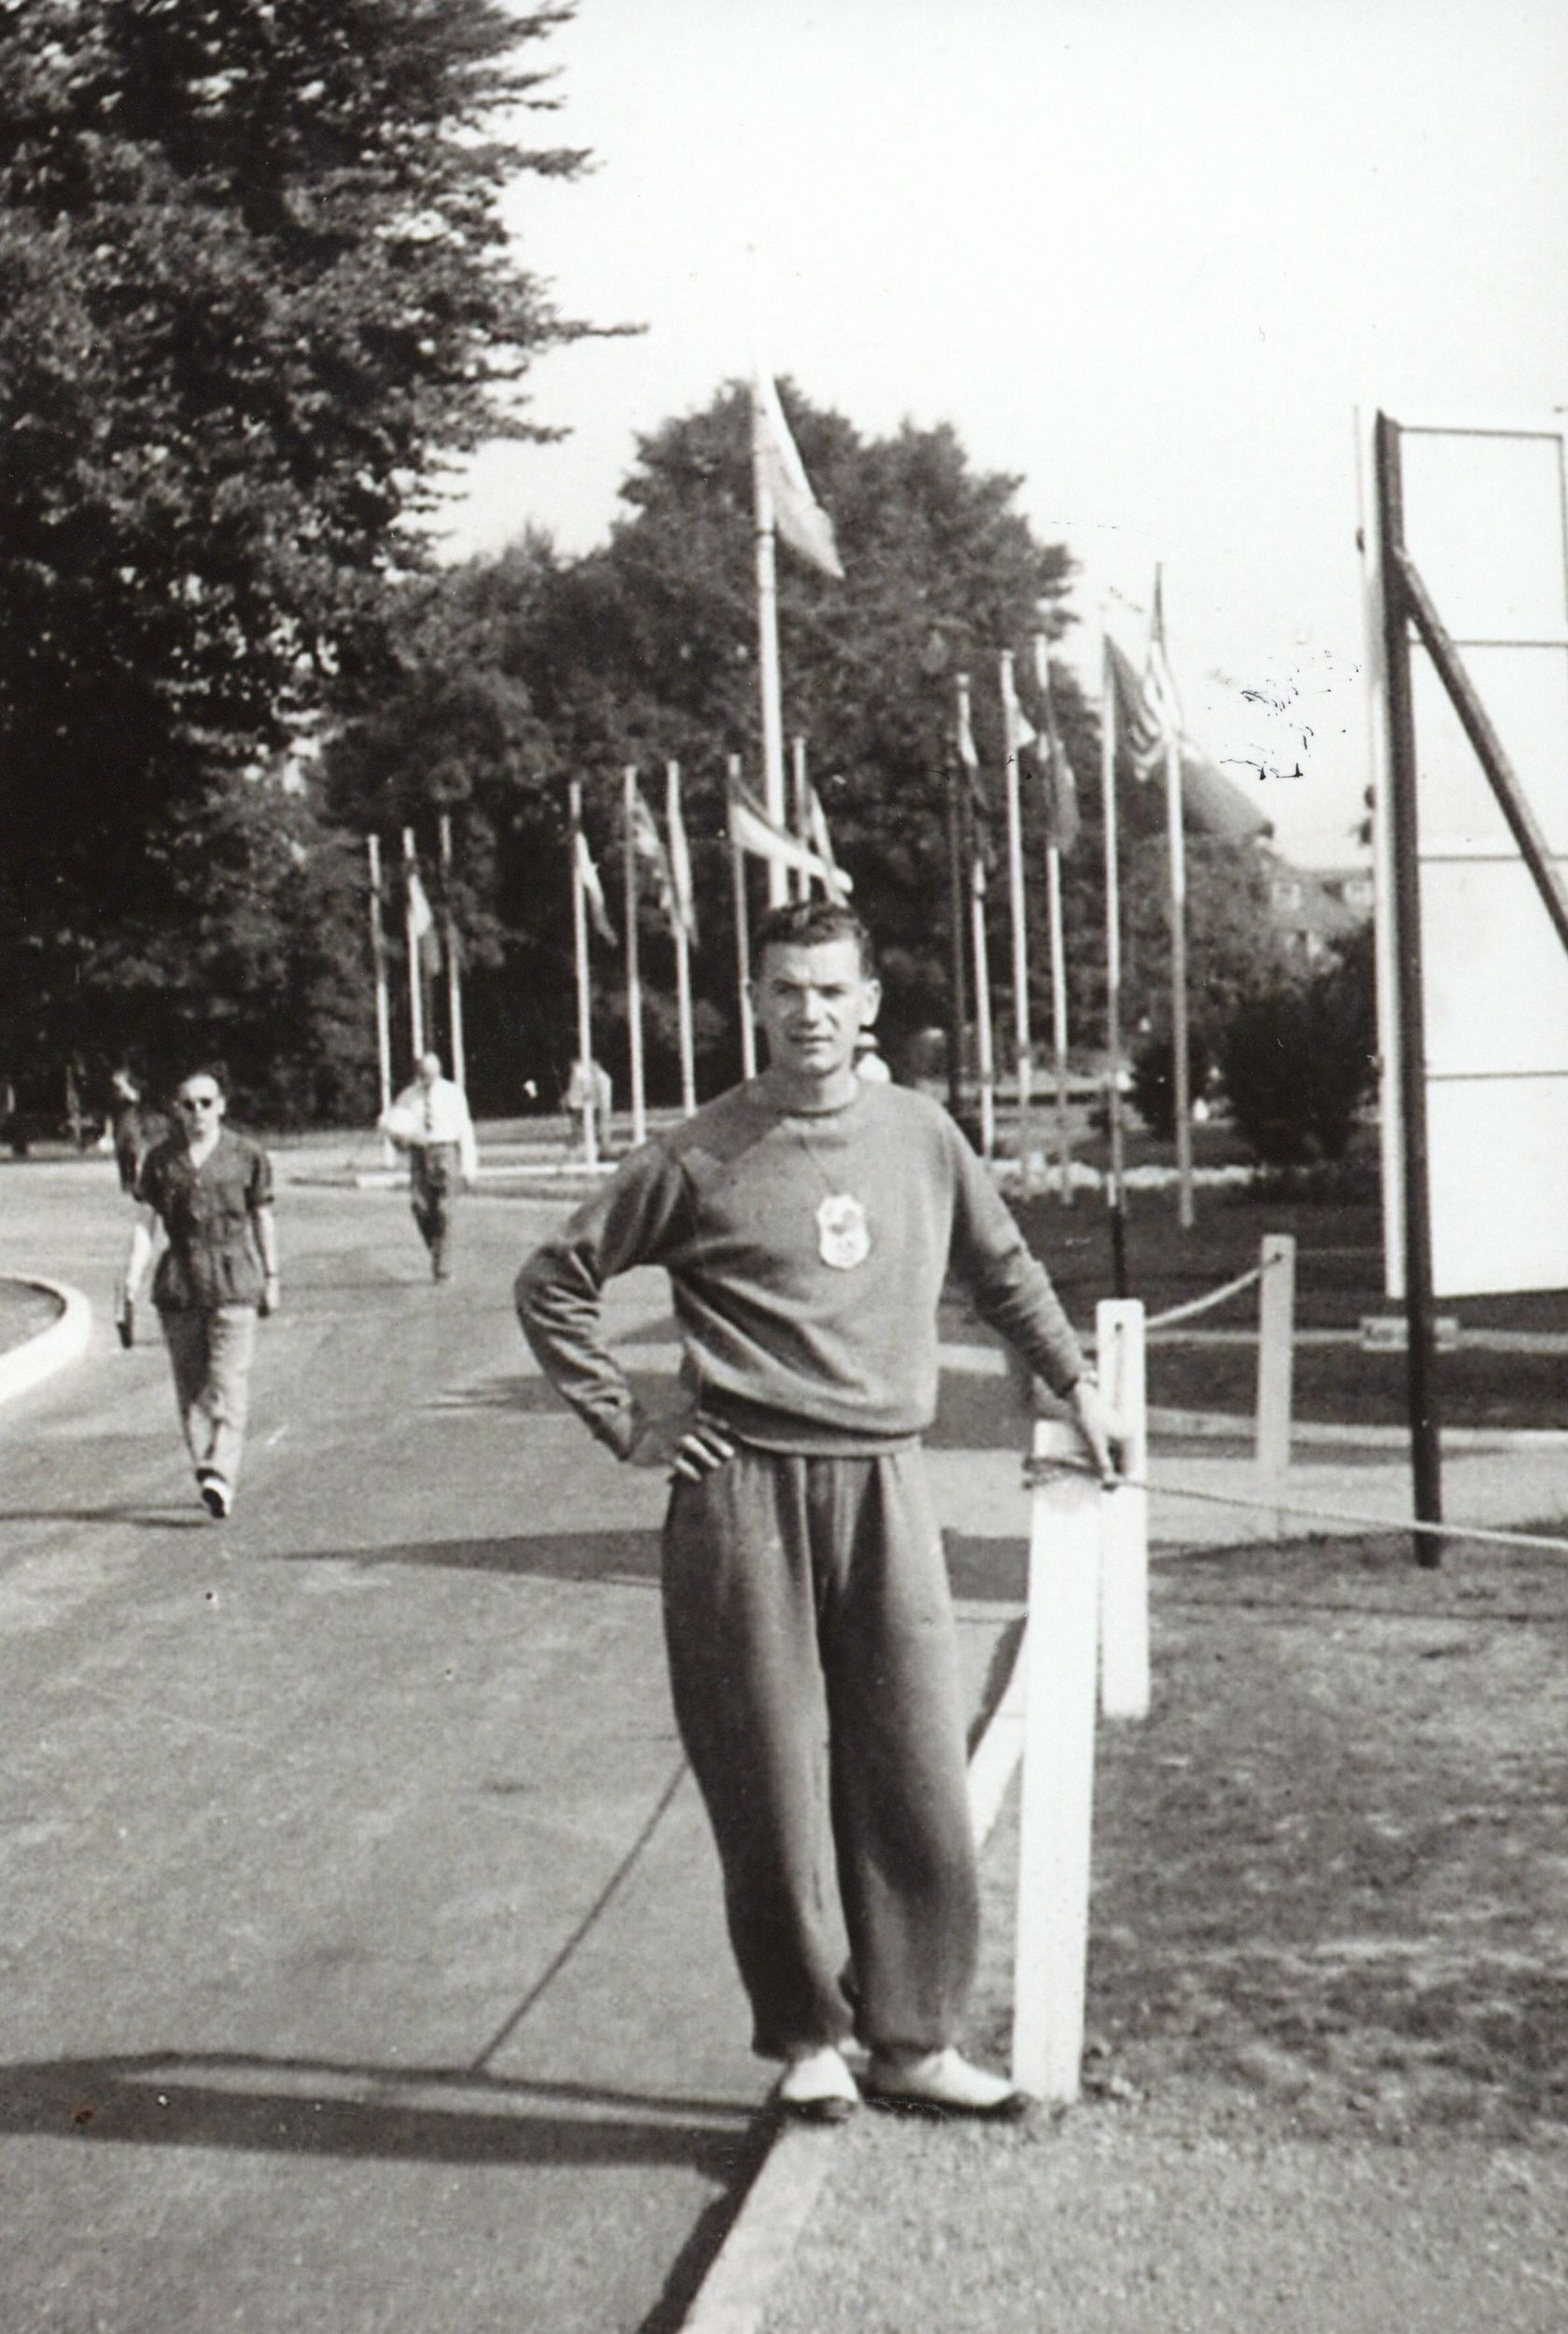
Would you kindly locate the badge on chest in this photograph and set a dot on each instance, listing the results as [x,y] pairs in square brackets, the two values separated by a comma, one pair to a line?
[842,1234]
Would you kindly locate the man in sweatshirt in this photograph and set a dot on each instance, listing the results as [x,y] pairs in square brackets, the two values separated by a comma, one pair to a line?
[807,1221]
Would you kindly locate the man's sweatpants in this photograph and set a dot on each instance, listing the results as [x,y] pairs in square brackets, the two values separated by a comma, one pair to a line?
[803,1595]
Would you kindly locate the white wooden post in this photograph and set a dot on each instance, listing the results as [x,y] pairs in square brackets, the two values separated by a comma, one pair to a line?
[1124,1610]
[1052,1931]
[1276,1348]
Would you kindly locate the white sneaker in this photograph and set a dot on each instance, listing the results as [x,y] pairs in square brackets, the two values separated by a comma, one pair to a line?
[941,2083]
[217,1497]
[817,2087]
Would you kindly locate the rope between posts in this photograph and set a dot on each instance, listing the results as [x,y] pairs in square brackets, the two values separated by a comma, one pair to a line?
[1281,1503]
[1202,1304]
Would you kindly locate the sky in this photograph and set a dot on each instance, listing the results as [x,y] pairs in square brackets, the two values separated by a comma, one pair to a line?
[1151,256]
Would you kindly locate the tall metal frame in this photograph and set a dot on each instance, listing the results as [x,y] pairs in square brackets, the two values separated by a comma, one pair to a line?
[1407,606]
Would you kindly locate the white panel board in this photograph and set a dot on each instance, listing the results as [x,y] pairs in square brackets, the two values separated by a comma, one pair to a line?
[1495,973]
[1484,525]
[1499,1168]
[1482,520]
[1525,693]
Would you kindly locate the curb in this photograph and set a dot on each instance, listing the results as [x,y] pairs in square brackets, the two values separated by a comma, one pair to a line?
[776,2207]
[55,1348]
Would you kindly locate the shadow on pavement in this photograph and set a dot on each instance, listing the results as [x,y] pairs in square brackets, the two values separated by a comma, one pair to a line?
[311,2107]
[145,1519]
[606,1555]
[992,1571]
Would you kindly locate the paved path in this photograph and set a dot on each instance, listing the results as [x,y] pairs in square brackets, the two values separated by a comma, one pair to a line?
[362,1956]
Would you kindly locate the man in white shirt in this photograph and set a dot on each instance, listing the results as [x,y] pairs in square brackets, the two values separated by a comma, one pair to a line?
[429,1122]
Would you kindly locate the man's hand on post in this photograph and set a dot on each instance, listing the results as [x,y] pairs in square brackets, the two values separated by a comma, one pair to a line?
[1106,1434]
[687,1445]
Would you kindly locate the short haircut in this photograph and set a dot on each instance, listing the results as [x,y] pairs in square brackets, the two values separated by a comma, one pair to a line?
[810,923]
[213,1070]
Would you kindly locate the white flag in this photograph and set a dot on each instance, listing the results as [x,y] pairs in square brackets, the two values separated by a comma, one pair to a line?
[821,843]
[421,923]
[1018,733]
[680,858]
[797,513]
[649,849]
[588,876]
[755,832]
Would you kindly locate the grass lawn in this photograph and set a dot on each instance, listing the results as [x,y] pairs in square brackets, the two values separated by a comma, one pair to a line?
[1338,1280]
[23,1312]
[1328,1990]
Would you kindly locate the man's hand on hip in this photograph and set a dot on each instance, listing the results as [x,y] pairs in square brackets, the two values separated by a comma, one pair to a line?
[688,1446]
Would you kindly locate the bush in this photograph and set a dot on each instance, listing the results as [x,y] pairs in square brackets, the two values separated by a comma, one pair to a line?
[1154,1081]
[1299,1060]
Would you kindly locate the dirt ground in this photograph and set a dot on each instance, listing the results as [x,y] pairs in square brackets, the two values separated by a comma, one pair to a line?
[1326,2085]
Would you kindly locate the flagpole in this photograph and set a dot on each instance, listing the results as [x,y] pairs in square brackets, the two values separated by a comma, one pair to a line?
[1058,940]
[383,1003]
[1023,1066]
[957,985]
[1180,1069]
[985,1058]
[801,885]
[673,826]
[454,978]
[768,678]
[634,961]
[1058,1017]
[584,997]
[417,985]
[1180,1065]
[1114,1188]
[743,936]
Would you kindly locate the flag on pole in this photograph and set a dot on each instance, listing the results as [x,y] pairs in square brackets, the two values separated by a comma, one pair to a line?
[1058,787]
[588,876]
[1159,683]
[1140,725]
[798,516]
[975,791]
[1145,716]
[649,849]
[681,861]
[421,923]
[752,830]
[1018,733]
[969,756]
[821,843]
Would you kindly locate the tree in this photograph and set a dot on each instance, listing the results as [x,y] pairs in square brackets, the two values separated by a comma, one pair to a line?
[254,292]
[648,648]
[1299,1058]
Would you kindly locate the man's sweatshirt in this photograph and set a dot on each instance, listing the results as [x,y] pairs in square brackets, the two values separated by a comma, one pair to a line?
[806,1252]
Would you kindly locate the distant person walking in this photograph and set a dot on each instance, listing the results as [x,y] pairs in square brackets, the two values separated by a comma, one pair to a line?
[429,1122]
[211,1192]
[588,1100]
[133,1127]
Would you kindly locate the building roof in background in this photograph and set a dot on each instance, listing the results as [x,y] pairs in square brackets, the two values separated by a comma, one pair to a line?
[1215,805]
